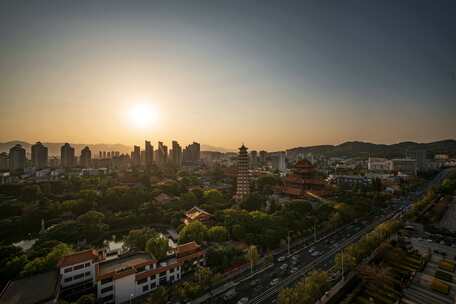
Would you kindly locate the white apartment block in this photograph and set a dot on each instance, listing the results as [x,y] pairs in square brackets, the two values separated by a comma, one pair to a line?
[126,277]
[379,164]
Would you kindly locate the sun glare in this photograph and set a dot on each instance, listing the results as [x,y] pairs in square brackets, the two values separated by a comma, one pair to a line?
[143,115]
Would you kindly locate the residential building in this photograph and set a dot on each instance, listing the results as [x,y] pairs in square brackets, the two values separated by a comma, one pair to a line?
[263,154]
[349,180]
[243,175]
[78,272]
[192,153]
[404,165]
[86,157]
[4,166]
[149,153]
[17,158]
[39,288]
[379,164]
[176,154]
[278,162]
[67,156]
[136,156]
[162,153]
[253,158]
[123,278]
[39,155]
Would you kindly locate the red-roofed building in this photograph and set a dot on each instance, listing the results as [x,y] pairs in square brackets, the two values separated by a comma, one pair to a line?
[197,214]
[303,181]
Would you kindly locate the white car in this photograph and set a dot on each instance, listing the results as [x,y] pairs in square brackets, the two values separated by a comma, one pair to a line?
[294,270]
[284,266]
[315,253]
[274,282]
[281,259]
[243,300]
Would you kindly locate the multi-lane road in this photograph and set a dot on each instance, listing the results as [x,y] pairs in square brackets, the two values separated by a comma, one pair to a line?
[287,270]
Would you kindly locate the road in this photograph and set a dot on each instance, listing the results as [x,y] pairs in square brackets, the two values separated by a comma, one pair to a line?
[265,287]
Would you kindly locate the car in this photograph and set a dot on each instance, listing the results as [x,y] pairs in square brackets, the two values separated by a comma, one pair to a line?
[284,266]
[294,270]
[229,295]
[315,253]
[312,249]
[243,300]
[274,282]
[281,259]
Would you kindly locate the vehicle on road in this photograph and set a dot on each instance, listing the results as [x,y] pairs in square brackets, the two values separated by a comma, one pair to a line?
[274,282]
[284,266]
[229,295]
[281,259]
[243,300]
[294,270]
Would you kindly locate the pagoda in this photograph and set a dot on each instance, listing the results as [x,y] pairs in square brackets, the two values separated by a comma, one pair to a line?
[243,175]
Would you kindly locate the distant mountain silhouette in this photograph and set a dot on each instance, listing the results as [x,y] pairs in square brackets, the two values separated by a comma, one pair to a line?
[348,149]
[364,149]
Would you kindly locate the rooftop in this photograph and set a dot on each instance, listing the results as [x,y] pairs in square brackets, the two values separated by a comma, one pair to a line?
[125,262]
[35,289]
[78,257]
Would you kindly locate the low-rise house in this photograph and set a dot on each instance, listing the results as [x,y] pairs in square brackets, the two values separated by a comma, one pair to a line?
[197,214]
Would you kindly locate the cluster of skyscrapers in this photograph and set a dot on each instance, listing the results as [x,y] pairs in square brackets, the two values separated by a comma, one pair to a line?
[16,159]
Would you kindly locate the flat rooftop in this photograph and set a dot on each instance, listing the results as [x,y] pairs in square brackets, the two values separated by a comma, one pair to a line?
[123,262]
[35,289]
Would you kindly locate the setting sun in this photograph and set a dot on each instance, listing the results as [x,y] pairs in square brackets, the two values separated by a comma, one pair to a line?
[143,115]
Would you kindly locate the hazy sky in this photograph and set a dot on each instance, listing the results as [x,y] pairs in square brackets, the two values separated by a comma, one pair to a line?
[271,74]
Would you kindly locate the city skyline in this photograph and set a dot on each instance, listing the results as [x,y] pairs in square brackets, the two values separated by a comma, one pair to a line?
[275,76]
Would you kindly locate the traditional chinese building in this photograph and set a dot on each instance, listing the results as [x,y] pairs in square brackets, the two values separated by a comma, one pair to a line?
[243,175]
[303,181]
[197,214]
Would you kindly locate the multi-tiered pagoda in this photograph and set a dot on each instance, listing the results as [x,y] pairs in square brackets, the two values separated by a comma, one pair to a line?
[243,175]
[304,181]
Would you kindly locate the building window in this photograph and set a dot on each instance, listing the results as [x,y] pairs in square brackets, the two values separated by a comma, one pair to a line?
[145,288]
[69,269]
[142,281]
[79,276]
[79,267]
[87,264]
[87,273]
[68,280]
[141,269]
[108,298]
[106,289]
[105,281]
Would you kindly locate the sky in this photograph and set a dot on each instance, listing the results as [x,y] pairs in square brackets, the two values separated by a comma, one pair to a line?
[270,74]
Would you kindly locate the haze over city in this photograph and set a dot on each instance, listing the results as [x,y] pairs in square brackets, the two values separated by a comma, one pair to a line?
[268,74]
[227,152]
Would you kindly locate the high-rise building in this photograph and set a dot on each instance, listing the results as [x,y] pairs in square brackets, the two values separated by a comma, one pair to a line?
[162,153]
[243,175]
[176,154]
[100,155]
[263,155]
[86,157]
[279,162]
[192,152]
[136,156]
[420,157]
[39,155]
[253,158]
[4,161]
[17,158]
[149,153]
[67,156]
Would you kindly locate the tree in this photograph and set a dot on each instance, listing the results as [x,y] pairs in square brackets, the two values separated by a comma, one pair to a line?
[86,299]
[213,197]
[195,231]
[307,291]
[252,256]
[217,234]
[203,276]
[253,202]
[159,296]
[157,246]
[137,238]
[41,264]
